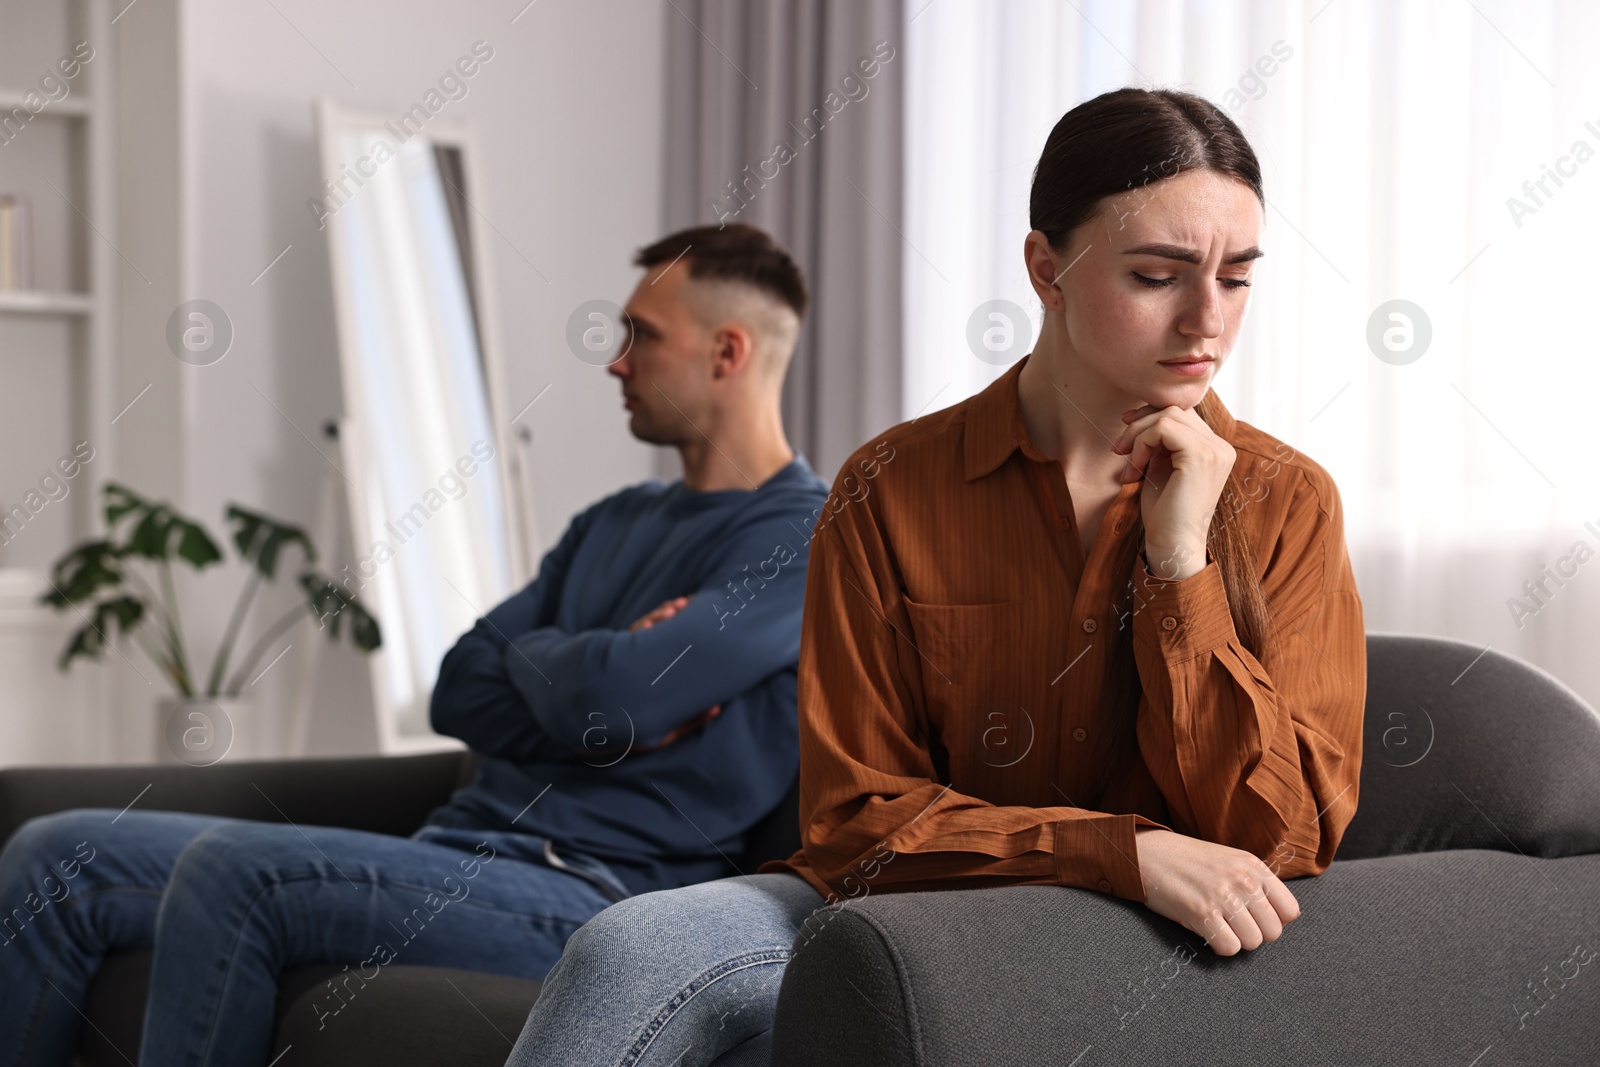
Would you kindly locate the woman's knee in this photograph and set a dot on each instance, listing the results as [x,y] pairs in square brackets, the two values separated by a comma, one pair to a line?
[627,929]
[693,927]
[698,966]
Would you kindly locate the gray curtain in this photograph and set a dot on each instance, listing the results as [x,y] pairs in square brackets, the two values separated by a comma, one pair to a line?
[743,78]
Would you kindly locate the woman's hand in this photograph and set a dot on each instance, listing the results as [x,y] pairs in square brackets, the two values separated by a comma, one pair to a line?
[1226,895]
[1184,465]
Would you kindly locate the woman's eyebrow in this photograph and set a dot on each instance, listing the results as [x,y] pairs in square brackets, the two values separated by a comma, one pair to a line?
[1189,255]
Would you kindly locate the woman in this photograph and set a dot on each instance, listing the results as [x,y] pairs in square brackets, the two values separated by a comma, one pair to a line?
[1082,629]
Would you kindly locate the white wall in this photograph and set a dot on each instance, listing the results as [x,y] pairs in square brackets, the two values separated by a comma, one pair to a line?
[568,119]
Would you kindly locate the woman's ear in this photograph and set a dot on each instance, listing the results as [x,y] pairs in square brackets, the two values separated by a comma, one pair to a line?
[1044,270]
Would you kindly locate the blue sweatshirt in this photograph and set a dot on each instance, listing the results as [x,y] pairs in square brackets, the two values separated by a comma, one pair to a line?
[565,701]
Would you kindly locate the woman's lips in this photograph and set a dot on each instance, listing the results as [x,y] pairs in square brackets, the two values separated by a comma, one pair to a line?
[1191,368]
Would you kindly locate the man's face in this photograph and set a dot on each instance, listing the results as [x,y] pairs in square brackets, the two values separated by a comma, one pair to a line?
[665,369]
[1148,279]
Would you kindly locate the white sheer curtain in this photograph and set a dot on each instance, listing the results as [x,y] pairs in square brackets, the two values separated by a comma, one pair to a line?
[1392,137]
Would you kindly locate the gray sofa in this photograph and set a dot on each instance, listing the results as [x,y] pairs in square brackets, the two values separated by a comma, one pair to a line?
[416,1015]
[1456,927]
[1459,925]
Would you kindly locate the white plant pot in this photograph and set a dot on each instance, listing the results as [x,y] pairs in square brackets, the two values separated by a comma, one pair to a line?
[201,731]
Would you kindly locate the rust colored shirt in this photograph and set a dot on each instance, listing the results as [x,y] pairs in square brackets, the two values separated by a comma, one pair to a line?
[955,663]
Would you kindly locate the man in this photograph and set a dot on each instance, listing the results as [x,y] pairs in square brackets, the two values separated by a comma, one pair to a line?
[635,705]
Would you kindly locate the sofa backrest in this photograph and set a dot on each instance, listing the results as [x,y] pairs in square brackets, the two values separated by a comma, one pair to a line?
[470,762]
[776,836]
[1466,748]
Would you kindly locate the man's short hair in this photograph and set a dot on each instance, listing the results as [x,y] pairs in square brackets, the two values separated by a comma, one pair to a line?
[737,252]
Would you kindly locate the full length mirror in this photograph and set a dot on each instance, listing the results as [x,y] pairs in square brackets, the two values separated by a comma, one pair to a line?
[434,499]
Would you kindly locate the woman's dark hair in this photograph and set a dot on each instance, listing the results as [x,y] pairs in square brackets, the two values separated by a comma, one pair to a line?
[735,252]
[1119,142]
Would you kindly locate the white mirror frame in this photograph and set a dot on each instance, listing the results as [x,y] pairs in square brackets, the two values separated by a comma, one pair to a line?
[514,482]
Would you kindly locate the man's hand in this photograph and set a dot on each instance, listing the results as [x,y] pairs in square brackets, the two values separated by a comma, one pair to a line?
[665,610]
[660,613]
[696,723]
[1226,895]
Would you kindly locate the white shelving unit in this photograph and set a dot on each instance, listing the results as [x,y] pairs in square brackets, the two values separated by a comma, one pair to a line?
[54,341]
[12,98]
[35,302]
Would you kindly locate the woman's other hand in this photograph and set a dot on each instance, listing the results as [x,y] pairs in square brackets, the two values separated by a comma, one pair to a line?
[1226,895]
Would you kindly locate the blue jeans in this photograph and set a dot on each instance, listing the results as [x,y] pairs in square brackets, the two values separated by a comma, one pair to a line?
[228,904]
[686,976]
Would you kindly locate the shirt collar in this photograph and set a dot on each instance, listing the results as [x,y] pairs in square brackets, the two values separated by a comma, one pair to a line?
[994,426]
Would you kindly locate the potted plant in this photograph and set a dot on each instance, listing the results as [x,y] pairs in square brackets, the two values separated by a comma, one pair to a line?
[100,582]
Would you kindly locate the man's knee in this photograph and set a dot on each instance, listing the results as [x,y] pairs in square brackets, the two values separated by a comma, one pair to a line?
[63,840]
[42,864]
[234,854]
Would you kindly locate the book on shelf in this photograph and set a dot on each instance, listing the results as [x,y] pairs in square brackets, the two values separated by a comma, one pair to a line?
[16,241]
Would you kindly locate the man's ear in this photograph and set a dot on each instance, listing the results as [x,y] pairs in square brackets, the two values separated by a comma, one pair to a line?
[732,348]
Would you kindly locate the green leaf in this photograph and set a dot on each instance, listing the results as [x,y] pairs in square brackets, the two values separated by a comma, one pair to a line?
[196,545]
[126,611]
[324,600]
[259,539]
[150,536]
[329,604]
[120,500]
[247,524]
[364,629]
[86,642]
[89,641]
[76,576]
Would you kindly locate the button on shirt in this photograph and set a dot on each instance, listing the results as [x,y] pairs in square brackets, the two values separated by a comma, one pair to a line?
[955,673]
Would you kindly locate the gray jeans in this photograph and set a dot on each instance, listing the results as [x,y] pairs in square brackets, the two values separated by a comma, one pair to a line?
[680,977]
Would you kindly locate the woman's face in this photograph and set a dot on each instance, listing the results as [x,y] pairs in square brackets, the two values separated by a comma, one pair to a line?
[1160,273]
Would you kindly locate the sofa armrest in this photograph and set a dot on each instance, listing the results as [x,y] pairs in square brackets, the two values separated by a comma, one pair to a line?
[1425,958]
[383,794]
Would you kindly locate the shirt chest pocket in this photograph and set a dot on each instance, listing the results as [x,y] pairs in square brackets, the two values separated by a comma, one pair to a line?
[983,670]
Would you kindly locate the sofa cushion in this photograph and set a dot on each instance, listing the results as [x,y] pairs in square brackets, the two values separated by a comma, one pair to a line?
[1464,748]
[405,1015]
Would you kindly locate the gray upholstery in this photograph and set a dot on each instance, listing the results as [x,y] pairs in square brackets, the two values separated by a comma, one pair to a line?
[1404,960]
[1447,929]
[1472,749]
[415,1015]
